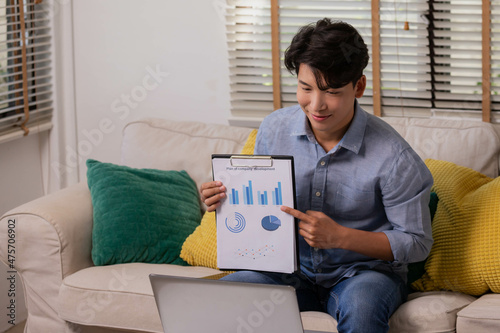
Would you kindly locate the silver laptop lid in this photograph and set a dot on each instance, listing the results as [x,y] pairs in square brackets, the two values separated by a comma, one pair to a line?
[213,306]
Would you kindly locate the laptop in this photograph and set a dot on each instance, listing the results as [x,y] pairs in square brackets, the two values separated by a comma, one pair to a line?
[188,305]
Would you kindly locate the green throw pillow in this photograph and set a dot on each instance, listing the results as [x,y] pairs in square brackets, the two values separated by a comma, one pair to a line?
[140,215]
[417,269]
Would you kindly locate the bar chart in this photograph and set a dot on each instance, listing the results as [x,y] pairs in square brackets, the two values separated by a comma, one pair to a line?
[262,197]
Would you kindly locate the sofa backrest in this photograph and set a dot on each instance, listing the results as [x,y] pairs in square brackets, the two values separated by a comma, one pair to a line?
[179,145]
[473,144]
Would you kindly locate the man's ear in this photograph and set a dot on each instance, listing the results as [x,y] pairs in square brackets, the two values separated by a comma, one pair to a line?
[359,89]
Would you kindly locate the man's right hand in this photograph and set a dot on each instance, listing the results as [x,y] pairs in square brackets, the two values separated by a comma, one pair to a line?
[212,193]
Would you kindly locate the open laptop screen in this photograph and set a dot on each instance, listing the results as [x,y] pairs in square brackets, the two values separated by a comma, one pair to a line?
[213,306]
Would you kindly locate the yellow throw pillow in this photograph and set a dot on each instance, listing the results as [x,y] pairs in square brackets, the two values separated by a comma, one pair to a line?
[249,146]
[200,248]
[465,256]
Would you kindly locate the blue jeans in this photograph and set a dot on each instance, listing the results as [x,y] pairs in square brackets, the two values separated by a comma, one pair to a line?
[361,303]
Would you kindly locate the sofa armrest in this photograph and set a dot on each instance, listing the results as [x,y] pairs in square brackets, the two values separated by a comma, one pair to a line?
[52,239]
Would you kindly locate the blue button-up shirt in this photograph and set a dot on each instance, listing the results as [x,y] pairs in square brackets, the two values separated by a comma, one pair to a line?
[373,180]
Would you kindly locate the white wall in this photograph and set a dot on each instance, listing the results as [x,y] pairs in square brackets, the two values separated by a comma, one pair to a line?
[118,44]
[21,175]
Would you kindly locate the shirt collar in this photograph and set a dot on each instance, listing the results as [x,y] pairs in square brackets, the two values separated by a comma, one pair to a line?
[301,125]
[352,139]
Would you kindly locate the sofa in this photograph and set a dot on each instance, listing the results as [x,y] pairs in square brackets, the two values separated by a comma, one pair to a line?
[66,292]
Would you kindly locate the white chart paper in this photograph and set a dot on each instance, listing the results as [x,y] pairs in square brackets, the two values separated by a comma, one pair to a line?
[252,231]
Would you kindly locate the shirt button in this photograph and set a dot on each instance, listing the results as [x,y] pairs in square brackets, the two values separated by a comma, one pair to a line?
[319,270]
[316,249]
[318,194]
[323,163]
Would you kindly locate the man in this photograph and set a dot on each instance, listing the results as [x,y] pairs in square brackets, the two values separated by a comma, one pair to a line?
[362,192]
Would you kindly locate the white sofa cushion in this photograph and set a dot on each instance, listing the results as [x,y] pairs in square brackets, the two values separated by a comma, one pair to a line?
[110,296]
[429,312]
[174,145]
[480,316]
[318,321]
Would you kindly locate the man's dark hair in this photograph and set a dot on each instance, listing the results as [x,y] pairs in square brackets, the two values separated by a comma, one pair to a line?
[335,52]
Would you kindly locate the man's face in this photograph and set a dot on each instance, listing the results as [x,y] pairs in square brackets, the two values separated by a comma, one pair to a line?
[329,111]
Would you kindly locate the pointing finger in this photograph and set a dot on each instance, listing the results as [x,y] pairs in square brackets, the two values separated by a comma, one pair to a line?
[295,213]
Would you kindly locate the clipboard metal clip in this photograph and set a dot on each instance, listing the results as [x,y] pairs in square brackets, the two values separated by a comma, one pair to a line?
[253,161]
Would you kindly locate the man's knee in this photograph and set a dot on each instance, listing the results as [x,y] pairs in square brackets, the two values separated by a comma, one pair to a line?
[366,300]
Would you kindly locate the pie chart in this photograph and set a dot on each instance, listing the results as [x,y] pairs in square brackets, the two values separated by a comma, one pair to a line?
[271,222]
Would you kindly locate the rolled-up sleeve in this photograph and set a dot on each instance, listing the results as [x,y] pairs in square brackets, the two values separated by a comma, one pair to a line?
[406,196]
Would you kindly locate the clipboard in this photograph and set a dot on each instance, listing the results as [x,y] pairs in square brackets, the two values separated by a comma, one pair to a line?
[252,231]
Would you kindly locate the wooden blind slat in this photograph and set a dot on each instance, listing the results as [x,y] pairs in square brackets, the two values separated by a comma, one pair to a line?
[276,59]
[486,61]
[25,69]
[377,100]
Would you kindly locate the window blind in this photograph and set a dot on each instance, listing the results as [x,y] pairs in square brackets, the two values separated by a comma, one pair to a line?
[404,55]
[457,60]
[25,67]
[435,67]
[495,60]
[248,25]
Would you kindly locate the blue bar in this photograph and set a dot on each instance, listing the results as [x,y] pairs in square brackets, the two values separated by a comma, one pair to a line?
[276,196]
[236,198]
[247,202]
[262,199]
[232,198]
[265,197]
[250,192]
[244,195]
[280,201]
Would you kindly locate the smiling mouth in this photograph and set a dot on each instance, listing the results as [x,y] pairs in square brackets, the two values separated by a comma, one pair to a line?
[319,118]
